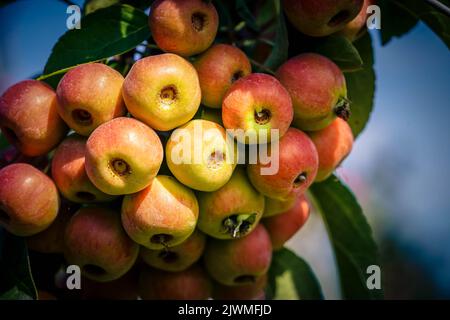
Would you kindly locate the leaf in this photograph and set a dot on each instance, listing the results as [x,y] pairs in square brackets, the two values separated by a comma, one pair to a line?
[245,13]
[280,49]
[103,34]
[341,51]
[3,142]
[417,9]
[291,278]
[350,235]
[394,21]
[361,87]
[16,281]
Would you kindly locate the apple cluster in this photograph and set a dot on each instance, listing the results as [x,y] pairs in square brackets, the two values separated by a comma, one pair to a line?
[193,230]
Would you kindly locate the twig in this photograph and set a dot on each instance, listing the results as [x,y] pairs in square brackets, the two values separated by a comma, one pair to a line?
[439,6]
[69,3]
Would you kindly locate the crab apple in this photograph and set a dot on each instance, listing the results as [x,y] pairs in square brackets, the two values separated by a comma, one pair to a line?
[257,102]
[51,240]
[124,288]
[318,90]
[89,95]
[356,28]
[276,206]
[184,27]
[190,284]
[283,226]
[163,91]
[298,162]
[123,156]
[29,200]
[95,240]
[250,291]
[201,156]
[177,258]
[333,144]
[319,18]
[218,68]
[241,261]
[69,174]
[233,211]
[162,215]
[29,117]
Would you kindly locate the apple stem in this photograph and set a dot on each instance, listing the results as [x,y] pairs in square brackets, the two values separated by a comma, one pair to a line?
[342,108]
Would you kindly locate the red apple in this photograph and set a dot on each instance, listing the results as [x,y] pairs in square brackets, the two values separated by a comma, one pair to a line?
[29,200]
[29,117]
[251,291]
[356,28]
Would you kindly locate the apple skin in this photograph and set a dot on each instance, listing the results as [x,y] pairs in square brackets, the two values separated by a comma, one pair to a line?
[29,117]
[237,203]
[319,18]
[124,288]
[318,90]
[177,258]
[257,102]
[190,284]
[96,241]
[29,200]
[218,68]
[162,215]
[284,226]
[333,144]
[69,174]
[89,95]
[11,154]
[215,164]
[167,103]
[298,164]
[241,261]
[356,28]
[275,206]
[51,240]
[123,156]
[184,27]
[252,291]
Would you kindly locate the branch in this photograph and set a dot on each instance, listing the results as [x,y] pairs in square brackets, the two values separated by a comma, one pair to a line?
[439,6]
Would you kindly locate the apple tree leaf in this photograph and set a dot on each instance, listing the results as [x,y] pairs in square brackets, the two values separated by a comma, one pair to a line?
[350,235]
[280,49]
[291,278]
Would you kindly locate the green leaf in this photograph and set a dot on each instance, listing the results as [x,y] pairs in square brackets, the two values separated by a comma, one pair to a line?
[341,51]
[16,281]
[3,142]
[417,9]
[350,235]
[361,87]
[103,34]
[245,13]
[395,22]
[291,278]
[279,52]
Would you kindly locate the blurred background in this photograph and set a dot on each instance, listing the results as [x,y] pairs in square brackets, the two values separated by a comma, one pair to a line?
[398,168]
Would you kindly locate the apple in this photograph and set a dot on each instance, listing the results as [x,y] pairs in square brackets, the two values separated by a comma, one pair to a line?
[11,154]
[319,18]
[241,261]
[177,258]
[29,200]
[233,211]
[276,206]
[356,28]
[218,68]
[51,240]
[298,163]
[318,90]
[124,288]
[184,27]
[162,215]
[250,291]
[69,174]
[190,284]
[162,91]
[333,144]
[29,117]
[284,226]
[257,103]
[201,156]
[96,241]
[89,95]
[123,156]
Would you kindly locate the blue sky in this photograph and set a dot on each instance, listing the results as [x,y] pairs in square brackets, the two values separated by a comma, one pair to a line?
[404,149]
